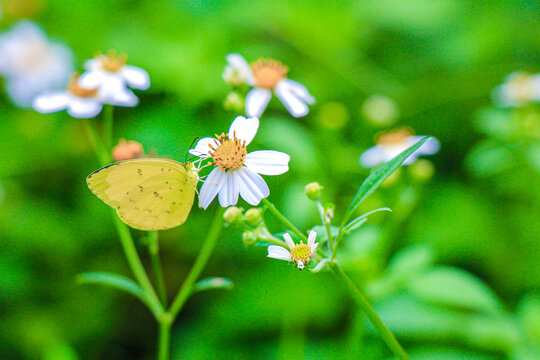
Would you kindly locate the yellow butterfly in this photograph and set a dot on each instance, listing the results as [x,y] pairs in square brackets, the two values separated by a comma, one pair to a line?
[148,194]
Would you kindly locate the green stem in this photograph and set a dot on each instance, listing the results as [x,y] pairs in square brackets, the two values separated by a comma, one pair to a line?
[164,339]
[383,331]
[96,142]
[108,123]
[326,224]
[153,250]
[206,250]
[136,265]
[284,220]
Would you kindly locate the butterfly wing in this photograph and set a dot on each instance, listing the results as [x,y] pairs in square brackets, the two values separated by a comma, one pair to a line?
[148,194]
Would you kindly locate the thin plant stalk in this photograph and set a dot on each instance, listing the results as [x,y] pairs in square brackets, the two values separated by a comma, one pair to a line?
[284,220]
[108,125]
[199,265]
[375,320]
[164,340]
[153,250]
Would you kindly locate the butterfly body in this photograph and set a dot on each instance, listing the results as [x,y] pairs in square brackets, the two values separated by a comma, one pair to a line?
[148,194]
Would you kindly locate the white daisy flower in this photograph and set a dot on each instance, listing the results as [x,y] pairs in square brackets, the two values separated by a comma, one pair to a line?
[393,143]
[236,172]
[112,76]
[80,102]
[518,89]
[300,254]
[31,63]
[267,76]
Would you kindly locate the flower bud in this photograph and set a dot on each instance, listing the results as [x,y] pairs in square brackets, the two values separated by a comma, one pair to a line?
[249,237]
[233,101]
[422,170]
[380,111]
[313,191]
[126,150]
[232,216]
[253,217]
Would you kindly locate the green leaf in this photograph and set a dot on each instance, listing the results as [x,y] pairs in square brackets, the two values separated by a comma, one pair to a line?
[377,176]
[356,223]
[212,283]
[115,281]
[455,288]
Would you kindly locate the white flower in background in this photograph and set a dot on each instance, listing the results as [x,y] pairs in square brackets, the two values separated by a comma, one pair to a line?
[112,76]
[518,89]
[267,76]
[236,172]
[31,63]
[80,102]
[393,143]
[299,254]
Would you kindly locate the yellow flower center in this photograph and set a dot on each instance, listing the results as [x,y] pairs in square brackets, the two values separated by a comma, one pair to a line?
[113,62]
[301,252]
[228,153]
[268,73]
[394,137]
[77,90]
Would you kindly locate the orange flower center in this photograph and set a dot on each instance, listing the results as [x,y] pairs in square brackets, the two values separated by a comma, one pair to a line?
[74,88]
[228,153]
[268,73]
[112,62]
[394,137]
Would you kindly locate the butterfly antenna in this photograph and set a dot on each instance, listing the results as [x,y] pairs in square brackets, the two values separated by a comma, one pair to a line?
[190,146]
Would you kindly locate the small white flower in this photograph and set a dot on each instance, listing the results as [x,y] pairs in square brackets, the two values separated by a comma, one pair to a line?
[236,172]
[80,102]
[112,76]
[31,63]
[267,76]
[518,89]
[300,254]
[394,143]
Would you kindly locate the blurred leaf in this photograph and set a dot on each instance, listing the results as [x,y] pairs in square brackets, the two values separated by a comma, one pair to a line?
[115,281]
[378,175]
[60,351]
[212,283]
[412,259]
[533,155]
[489,158]
[440,353]
[529,316]
[456,288]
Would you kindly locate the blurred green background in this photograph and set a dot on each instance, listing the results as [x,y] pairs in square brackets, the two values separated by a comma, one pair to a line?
[465,280]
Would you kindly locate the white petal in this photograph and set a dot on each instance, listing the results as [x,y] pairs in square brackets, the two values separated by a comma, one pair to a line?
[268,162]
[256,101]
[92,79]
[252,186]
[211,187]
[203,147]
[244,129]
[121,97]
[278,252]
[300,264]
[430,147]
[241,66]
[84,108]
[92,65]
[228,194]
[311,238]
[371,157]
[52,102]
[295,105]
[136,77]
[288,240]
[297,89]
[314,248]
